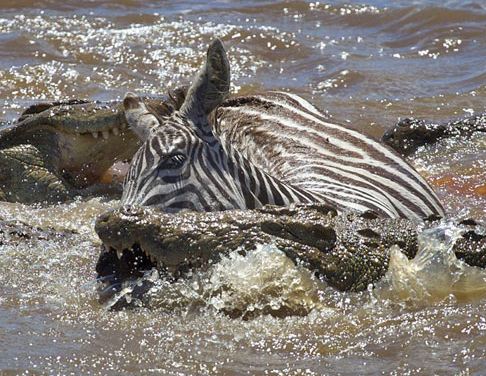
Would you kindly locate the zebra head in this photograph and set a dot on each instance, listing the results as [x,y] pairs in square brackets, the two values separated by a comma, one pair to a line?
[182,164]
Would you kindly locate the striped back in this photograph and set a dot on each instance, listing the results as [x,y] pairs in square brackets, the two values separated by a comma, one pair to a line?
[265,149]
[294,142]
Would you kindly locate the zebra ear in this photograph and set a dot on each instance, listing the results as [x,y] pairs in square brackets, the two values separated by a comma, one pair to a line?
[139,119]
[211,85]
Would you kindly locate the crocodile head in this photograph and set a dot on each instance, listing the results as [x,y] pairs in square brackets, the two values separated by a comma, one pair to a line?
[407,135]
[349,251]
[140,242]
[59,150]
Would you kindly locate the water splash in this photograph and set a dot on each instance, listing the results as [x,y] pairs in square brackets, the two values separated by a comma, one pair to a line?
[262,281]
[434,274]
[131,291]
[246,283]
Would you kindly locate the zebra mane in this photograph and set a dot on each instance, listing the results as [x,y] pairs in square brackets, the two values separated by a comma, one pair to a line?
[178,96]
[174,101]
[169,104]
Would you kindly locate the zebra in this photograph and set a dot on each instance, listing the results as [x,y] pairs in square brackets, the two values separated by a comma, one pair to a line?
[276,148]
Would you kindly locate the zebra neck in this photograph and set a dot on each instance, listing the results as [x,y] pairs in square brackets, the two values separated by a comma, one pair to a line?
[260,188]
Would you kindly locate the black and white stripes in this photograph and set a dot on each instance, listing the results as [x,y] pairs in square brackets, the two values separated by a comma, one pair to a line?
[265,149]
[294,142]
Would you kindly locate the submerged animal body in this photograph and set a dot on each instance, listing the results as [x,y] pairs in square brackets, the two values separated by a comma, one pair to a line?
[274,148]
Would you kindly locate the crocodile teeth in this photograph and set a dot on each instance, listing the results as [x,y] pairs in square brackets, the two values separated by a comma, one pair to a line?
[149,256]
[94,134]
[116,131]
[105,134]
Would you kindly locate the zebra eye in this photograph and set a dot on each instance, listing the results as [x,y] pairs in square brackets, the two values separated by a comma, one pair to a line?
[173,161]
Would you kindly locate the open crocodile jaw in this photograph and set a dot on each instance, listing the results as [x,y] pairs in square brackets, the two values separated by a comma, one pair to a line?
[57,151]
[85,157]
[135,242]
[129,249]
[119,268]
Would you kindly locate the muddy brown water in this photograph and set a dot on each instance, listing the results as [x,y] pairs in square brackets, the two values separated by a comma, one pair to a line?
[366,64]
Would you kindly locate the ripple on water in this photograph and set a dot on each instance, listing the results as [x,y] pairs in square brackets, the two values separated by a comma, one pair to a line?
[78,215]
[91,57]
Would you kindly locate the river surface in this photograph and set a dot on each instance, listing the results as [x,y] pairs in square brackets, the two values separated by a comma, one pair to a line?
[365,64]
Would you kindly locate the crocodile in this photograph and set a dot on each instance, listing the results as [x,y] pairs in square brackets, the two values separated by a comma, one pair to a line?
[349,251]
[407,135]
[59,150]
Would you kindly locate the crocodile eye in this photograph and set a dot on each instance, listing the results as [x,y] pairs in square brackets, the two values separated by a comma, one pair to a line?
[172,161]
